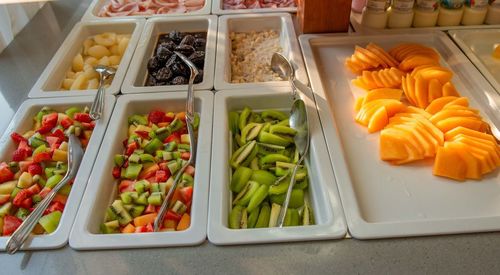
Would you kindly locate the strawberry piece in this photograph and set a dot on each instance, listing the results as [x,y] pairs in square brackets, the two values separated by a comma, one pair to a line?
[149,227]
[19,155]
[142,134]
[43,156]
[150,209]
[10,224]
[35,169]
[21,196]
[125,186]
[172,216]
[156,116]
[140,229]
[66,122]
[27,203]
[131,148]
[59,134]
[17,137]
[116,172]
[173,137]
[49,120]
[53,142]
[82,117]
[169,117]
[161,176]
[5,173]
[187,194]
[55,206]
[44,130]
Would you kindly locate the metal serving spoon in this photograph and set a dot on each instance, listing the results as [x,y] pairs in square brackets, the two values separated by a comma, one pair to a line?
[189,121]
[19,236]
[97,107]
[298,122]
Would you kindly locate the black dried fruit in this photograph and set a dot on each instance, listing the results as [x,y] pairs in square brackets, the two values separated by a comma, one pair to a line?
[199,43]
[154,64]
[179,80]
[179,69]
[199,77]
[163,74]
[171,61]
[188,40]
[163,53]
[175,36]
[151,81]
[198,58]
[185,49]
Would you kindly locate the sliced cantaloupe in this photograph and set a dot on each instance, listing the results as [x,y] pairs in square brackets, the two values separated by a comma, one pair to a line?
[435,90]
[358,103]
[392,107]
[442,75]
[485,145]
[410,90]
[438,104]
[468,122]
[402,51]
[382,54]
[449,164]
[446,113]
[385,78]
[378,120]
[460,101]
[421,91]
[392,146]
[428,149]
[473,166]
[468,132]
[415,110]
[383,93]
[449,90]
[429,127]
[411,62]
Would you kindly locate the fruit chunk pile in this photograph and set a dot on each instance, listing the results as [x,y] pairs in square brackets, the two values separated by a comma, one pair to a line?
[37,165]
[103,49]
[410,98]
[263,151]
[156,148]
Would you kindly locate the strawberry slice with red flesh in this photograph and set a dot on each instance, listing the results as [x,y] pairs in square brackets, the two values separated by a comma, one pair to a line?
[43,156]
[172,216]
[126,186]
[54,206]
[10,224]
[116,172]
[19,155]
[35,169]
[49,121]
[53,142]
[66,122]
[131,148]
[82,117]
[142,134]
[156,116]
[187,194]
[59,134]
[5,173]
[173,137]
[150,209]
[161,176]
[17,137]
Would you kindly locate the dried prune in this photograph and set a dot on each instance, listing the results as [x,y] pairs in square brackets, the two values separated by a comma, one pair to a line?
[185,49]
[175,36]
[188,40]
[154,64]
[171,61]
[198,58]
[151,81]
[163,53]
[179,69]
[199,44]
[163,74]
[199,77]
[179,80]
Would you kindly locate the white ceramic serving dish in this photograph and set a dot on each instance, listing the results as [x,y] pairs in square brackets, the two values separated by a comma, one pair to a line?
[23,121]
[280,22]
[359,28]
[49,82]
[218,8]
[102,186]
[478,45]
[93,10]
[381,200]
[137,72]
[324,197]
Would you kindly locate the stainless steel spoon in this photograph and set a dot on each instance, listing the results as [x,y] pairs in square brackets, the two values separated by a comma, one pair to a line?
[298,122]
[97,107]
[190,115]
[19,236]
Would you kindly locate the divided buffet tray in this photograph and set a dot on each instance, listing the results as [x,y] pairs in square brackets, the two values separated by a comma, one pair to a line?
[23,121]
[323,193]
[102,186]
[280,22]
[138,71]
[92,13]
[478,45]
[359,28]
[49,82]
[218,8]
[381,200]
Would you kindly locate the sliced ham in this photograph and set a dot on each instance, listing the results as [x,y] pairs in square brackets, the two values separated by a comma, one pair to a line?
[116,8]
[257,4]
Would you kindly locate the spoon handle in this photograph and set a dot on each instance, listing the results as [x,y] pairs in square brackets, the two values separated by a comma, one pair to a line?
[98,105]
[284,207]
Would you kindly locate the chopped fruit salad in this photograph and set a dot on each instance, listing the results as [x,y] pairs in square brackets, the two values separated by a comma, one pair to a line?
[263,152]
[156,148]
[37,165]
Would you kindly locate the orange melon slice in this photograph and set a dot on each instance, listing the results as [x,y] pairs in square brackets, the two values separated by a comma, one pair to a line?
[442,164]
[468,122]
[473,166]
[438,104]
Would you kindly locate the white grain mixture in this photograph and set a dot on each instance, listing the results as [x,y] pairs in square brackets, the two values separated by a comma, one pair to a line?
[251,56]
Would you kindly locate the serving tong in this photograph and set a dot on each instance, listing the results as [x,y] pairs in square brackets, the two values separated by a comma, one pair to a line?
[190,117]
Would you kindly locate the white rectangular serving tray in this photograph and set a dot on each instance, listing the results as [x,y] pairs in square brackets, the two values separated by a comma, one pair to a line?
[137,72]
[218,8]
[96,5]
[359,28]
[101,190]
[49,82]
[325,200]
[381,200]
[23,121]
[280,22]
[478,45]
